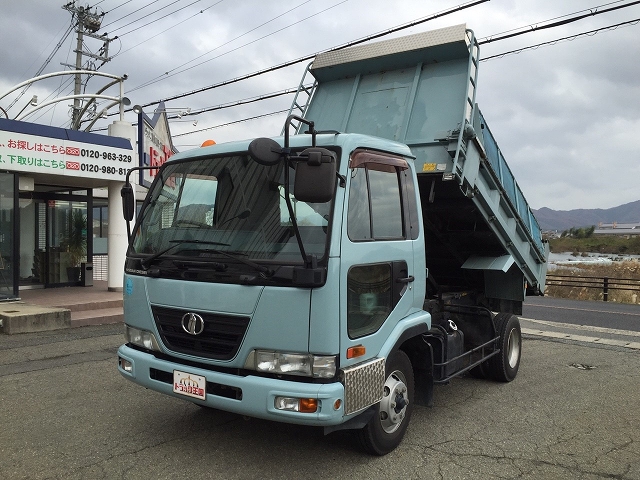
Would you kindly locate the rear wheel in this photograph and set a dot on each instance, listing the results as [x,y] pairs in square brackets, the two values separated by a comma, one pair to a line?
[385,430]
[504,366]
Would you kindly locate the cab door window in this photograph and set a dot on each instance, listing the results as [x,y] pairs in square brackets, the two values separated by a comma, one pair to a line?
[375,198]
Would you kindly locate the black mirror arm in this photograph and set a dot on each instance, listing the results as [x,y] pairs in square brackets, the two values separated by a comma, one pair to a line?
[307,261]
[311,130]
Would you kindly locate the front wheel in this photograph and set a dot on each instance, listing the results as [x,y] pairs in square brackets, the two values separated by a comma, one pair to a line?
[385,430]
[504,366]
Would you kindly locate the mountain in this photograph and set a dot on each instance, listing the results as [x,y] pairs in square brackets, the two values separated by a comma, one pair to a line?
[582,217]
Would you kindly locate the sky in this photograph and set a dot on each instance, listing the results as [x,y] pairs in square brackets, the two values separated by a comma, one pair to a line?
[565,114]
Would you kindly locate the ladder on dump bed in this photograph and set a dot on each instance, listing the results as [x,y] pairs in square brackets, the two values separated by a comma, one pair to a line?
[301,101]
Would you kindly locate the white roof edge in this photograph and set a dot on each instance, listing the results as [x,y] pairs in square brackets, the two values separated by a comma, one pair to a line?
[407,43]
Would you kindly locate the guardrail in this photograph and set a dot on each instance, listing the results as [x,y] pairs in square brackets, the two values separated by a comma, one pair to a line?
[604,284]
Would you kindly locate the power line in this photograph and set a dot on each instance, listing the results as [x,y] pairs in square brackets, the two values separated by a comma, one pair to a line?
[508,34]
[231,123]
[167,29]
[153,80]
[534,28]
[558,40]
[309,57]
[237,103]
[44,65]
[241,46]
[531,47]
[592,12]
[550,20]
[157,19]
[131,13]
[45,48]
[118,6]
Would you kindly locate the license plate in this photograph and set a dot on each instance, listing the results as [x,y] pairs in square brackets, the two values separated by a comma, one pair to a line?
[189,384]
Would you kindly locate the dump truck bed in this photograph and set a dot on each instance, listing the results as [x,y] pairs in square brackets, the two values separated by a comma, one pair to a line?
[420,90]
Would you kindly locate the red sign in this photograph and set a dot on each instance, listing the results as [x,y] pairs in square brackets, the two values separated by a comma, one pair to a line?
[73,165]
[73,151]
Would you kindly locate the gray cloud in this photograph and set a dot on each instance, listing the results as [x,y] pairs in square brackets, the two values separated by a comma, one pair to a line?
[565,115]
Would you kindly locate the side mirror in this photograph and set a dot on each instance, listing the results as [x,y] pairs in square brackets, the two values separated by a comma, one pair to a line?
[265,151]
[316,178]
[128,201]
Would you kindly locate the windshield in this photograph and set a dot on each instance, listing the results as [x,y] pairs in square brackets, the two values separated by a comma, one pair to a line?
[206,206]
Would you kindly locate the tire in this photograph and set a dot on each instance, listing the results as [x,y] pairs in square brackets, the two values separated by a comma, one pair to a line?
[504,366]
[387,427]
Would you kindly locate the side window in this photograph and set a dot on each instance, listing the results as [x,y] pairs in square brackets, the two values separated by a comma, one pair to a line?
[375,200]
[358,216]
[369,298]
[386,210]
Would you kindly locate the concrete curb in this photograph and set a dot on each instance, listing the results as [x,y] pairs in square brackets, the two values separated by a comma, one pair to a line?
[18,317]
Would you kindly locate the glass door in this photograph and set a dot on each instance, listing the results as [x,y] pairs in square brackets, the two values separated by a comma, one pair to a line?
[66,241]
[8,283]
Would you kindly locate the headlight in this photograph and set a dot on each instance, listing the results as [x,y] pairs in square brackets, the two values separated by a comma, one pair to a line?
[307,365]
[141,338]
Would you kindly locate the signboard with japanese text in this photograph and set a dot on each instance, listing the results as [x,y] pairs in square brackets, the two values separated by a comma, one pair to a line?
[59,155]
[154,143]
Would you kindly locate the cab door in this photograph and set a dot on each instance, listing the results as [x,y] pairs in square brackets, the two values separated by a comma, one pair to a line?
[377,255]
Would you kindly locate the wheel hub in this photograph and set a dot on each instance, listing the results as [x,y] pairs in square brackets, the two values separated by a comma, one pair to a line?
[395,400]
[513,348]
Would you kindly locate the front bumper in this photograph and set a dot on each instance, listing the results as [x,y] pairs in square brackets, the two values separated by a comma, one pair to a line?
[255,395]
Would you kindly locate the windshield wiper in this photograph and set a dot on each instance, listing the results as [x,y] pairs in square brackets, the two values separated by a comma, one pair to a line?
[145,263]
[265,272]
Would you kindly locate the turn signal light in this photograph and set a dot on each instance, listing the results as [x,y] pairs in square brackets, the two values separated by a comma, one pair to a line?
[357,351]
[308,405]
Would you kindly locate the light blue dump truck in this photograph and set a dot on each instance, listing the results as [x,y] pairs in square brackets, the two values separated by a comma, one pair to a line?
[333,275]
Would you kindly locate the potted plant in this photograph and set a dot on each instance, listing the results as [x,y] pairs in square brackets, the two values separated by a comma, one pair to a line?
[76,244]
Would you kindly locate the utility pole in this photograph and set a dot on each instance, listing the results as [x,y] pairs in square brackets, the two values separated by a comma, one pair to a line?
[87,24]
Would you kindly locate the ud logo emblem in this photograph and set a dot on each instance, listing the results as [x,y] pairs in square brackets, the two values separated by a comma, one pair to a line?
[192,323]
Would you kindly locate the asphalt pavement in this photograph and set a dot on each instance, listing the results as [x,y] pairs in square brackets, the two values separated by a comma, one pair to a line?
[571,413]
[598,323]
[620,316]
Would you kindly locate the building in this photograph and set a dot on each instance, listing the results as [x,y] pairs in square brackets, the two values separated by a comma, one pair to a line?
[51,224]
[60,203]
[616,228]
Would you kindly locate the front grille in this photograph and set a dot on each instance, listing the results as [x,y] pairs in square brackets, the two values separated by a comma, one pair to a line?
[220,338]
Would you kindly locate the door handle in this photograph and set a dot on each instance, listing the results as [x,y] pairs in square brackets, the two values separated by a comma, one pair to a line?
[408,279]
